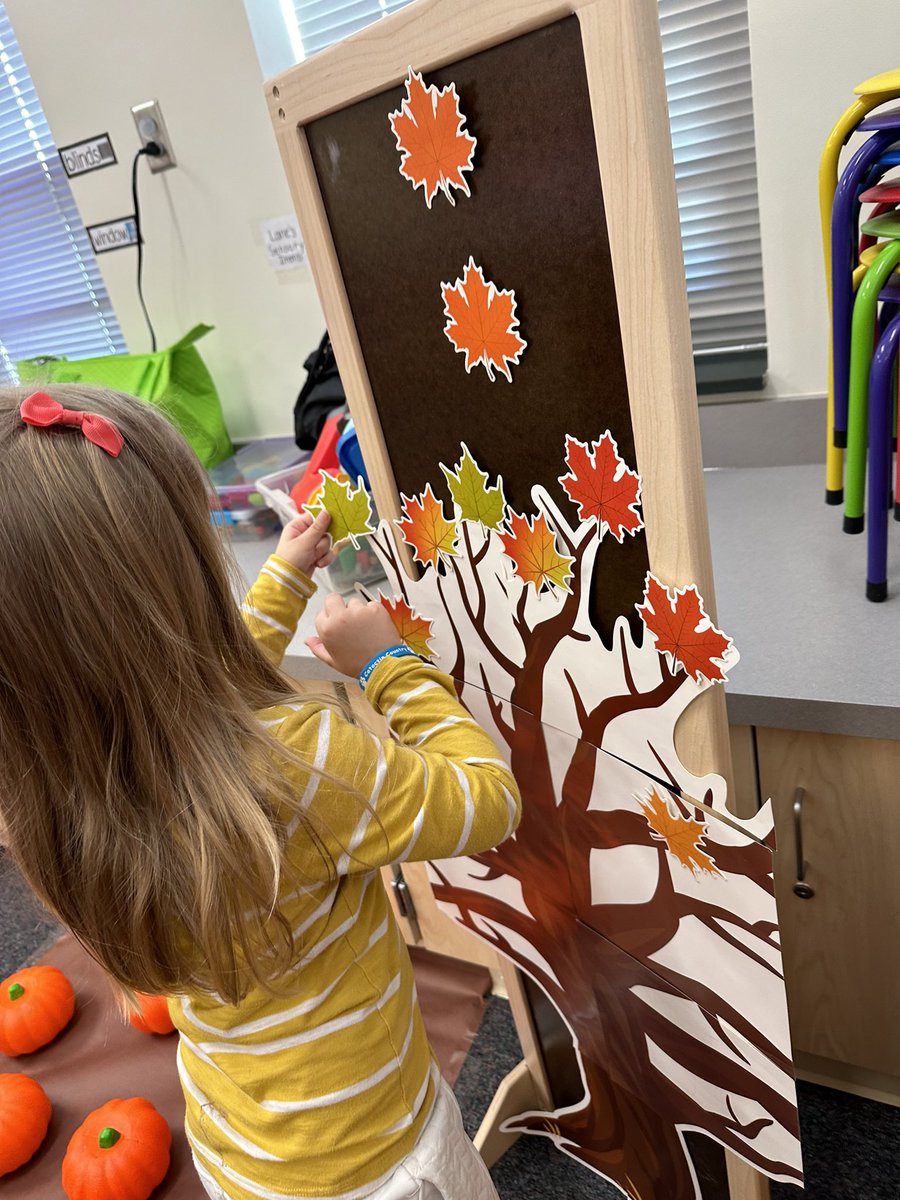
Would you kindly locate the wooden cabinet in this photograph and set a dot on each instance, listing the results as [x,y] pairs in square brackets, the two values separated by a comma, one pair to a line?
[842,944]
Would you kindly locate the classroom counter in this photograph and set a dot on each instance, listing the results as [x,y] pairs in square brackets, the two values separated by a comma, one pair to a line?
[790,589]
[815,654]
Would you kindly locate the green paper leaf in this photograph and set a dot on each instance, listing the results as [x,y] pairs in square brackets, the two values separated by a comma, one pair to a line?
[470,491]
[350,508]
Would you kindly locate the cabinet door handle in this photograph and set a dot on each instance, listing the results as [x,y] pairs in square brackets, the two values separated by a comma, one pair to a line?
[801,888]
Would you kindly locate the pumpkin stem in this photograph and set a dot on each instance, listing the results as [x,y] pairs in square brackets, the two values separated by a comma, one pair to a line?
[15,991]
[108,1138]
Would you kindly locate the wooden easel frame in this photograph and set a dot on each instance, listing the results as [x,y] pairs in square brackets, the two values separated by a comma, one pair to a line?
[623,58]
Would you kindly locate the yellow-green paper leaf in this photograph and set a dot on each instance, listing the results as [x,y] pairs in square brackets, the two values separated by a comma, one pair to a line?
[350,509]
[470,491]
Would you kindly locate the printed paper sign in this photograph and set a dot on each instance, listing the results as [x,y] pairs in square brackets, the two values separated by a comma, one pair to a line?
[89,155]
[284,243]
[113,235]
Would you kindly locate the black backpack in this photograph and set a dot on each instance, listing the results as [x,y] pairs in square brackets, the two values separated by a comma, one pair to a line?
[320,395]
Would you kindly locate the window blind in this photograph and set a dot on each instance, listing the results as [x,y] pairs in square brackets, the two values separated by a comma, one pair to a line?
[706,52]
[52,297]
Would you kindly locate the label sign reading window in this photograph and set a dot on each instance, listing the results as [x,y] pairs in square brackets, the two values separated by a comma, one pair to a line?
[89,155]
[113,235]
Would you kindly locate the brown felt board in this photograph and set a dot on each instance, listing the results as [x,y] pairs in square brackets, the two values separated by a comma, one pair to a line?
[535,223]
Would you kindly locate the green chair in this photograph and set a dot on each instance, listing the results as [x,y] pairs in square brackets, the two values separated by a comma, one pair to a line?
[865,313]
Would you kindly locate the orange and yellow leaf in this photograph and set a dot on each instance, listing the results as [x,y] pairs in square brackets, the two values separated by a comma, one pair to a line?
[413,630]
[434,146]
[482,322]
[682,835]
[424,527]
[531,544]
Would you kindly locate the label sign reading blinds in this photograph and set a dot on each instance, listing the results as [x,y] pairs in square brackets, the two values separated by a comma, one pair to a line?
[113,235]
[89,155]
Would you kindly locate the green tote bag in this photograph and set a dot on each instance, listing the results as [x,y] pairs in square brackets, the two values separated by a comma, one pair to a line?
[175,381]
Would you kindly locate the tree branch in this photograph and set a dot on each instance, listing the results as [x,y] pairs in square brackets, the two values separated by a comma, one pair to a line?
[496,711]
[388,550]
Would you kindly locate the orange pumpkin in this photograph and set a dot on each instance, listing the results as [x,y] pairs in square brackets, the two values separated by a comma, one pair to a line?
[154,1015]
[24,1118]
[121,1152]
[35,1005]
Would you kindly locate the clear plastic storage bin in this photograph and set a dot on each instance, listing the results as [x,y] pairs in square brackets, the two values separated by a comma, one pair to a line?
[235,480]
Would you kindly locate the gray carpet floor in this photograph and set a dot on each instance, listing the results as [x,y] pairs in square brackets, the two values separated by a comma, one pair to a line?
[851,1146]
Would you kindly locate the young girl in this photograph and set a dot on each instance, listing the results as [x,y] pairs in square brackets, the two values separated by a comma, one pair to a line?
[208,834]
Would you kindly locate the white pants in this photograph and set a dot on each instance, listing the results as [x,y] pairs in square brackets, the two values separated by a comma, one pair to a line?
[443,1165]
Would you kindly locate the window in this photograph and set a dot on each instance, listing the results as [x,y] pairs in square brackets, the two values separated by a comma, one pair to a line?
[706,52]
[52,297]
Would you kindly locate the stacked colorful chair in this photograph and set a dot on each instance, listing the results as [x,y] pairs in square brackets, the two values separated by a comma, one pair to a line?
[860,212]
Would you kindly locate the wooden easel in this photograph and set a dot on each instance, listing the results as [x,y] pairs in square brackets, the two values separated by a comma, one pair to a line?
[628,108]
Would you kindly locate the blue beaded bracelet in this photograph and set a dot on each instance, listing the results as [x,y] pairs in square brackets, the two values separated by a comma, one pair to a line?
[400,651]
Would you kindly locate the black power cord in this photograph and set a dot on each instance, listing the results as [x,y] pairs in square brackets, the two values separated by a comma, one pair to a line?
[153,150]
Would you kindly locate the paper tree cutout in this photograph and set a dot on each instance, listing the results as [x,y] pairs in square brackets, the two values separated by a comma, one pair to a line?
[482,322]
[648,920]
[435,149]
[602,486]
[349,506]
[413,630]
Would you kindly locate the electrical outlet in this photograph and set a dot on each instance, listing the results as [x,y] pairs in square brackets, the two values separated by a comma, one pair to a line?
[152,128]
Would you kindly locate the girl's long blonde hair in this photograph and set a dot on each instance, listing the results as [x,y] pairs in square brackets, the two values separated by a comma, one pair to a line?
[141,797]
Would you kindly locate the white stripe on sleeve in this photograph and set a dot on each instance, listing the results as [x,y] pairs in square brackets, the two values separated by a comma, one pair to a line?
[264,618]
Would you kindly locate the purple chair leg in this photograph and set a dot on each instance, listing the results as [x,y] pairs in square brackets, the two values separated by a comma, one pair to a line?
[843,260]
[881,405]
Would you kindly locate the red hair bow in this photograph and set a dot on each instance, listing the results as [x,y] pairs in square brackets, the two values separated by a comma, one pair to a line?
[42,410]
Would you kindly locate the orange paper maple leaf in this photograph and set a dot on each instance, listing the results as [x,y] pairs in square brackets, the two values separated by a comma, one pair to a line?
[682,835]
[682,629]
[424,527]
[435,148]
[602,486]
[412,629]
[532,547]
[482,322]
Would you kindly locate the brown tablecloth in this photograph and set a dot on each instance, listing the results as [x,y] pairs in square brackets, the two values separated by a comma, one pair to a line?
[99,1058]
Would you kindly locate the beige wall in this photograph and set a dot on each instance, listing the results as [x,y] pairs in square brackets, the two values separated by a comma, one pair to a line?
[807,56]
[93,59]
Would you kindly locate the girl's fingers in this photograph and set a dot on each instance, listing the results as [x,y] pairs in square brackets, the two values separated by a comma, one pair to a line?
[334,603]
[299,525]
[317,646]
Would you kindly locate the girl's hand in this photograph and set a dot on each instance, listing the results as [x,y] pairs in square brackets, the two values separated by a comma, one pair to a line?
[351,634]
[306,543]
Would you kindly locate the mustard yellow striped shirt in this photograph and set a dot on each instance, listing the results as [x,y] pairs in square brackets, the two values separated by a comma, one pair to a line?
[322,1092]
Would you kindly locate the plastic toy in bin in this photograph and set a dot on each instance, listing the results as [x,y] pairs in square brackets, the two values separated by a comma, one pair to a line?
[324,458]
[235,480]
[350,455]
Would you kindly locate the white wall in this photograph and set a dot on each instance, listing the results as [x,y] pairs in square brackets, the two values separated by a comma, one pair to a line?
[807,56]
[204,259]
